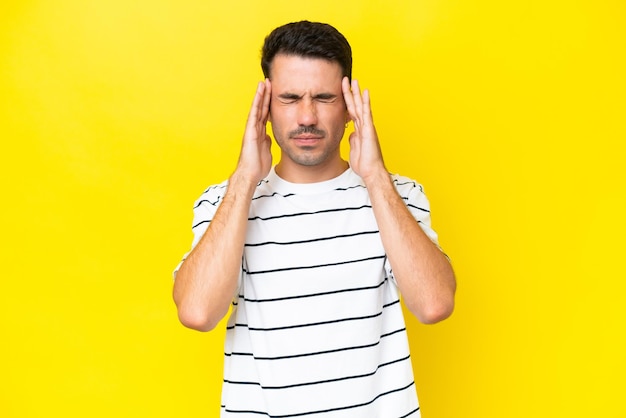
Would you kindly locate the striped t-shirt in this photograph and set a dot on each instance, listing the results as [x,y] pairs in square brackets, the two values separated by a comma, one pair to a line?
[316,328]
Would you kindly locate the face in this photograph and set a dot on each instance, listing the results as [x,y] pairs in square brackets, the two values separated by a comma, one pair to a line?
[307,111]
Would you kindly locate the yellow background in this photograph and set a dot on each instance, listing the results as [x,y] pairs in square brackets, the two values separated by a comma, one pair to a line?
[115,115]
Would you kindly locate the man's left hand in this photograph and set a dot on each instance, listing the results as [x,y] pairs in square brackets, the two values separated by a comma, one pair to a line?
[365,155]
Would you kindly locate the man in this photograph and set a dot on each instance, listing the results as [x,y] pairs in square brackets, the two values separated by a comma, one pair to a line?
[313,253]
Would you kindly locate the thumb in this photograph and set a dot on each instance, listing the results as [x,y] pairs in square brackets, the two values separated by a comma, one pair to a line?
[353,140]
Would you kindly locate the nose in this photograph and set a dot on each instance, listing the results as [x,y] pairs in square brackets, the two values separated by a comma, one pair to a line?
[307,113]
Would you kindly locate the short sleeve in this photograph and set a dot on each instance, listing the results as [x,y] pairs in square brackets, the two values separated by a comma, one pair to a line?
[412,193]
[203,212]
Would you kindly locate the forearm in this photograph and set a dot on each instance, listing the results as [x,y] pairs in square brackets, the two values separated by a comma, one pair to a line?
[207,280]
[422,271]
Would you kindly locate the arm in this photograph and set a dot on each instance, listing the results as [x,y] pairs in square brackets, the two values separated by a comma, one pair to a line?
[207,280]
[423,273]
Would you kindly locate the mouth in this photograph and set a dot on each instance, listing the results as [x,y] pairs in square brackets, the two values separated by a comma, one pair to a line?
[305,137]
[306,140]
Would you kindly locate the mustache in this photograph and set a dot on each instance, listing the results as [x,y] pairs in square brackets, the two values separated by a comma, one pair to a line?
[307,130]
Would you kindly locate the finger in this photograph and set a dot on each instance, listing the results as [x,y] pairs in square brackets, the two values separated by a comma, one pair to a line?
[347,96]
[367,107]
[255,109]
[355,144]
[358,101]
[267,96]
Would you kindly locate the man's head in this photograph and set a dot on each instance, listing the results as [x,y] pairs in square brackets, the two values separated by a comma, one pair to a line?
[309,40]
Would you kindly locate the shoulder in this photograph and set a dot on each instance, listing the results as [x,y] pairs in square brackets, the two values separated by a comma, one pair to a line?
[406,186]
[212,195]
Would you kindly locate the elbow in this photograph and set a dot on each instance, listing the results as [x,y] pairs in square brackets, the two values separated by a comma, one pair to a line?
[439,305]
[434,310]
[435,313]
[194,315]
[192,312]
[196,320]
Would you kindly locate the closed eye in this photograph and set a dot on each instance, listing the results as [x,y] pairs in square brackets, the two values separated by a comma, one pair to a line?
[325,98]
[288,98]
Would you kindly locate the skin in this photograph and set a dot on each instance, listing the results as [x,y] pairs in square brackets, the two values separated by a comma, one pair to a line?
[308,118]
[308,103]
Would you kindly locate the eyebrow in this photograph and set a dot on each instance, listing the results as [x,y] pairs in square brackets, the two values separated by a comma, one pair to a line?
[325,96]
[291,96]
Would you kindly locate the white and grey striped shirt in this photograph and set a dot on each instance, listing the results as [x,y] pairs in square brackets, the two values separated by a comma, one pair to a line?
[316,328]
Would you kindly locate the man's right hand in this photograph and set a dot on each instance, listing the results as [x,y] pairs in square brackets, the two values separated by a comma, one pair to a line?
[255,160]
